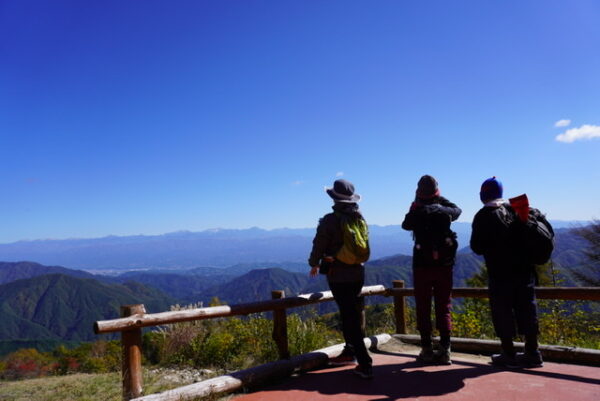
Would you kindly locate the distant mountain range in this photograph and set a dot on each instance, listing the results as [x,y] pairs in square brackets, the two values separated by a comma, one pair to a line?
[216,248]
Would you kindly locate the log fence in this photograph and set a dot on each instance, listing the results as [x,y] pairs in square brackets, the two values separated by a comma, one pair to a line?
[134,318]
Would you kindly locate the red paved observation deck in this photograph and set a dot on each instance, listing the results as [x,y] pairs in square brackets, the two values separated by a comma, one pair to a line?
[399,377]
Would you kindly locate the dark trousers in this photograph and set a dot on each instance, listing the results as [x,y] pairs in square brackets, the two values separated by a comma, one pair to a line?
[510,301]
[436,282]
[351,307]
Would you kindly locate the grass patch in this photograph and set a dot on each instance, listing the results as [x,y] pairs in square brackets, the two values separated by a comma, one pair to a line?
[80,387]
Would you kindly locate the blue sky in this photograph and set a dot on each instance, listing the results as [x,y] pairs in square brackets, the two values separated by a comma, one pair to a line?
[129,117]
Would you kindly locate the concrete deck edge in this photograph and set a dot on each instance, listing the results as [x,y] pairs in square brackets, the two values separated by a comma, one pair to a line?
[554,353]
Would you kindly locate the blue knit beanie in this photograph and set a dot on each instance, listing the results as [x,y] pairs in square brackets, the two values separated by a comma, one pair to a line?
[490,189]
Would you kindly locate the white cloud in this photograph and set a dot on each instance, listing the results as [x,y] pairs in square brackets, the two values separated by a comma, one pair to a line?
[562,123]
[575,134]
[339,174]
[297,183]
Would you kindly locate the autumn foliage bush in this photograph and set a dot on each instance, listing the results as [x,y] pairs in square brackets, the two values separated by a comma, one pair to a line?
[27,363]
[97,357]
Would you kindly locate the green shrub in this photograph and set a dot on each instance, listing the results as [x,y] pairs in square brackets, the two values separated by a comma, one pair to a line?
[232,343]
[569,323]
[153,343]
[308,334]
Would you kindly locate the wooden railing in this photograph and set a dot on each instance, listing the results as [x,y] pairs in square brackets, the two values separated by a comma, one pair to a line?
[134,318]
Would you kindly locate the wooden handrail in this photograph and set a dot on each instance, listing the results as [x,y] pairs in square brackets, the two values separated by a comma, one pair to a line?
[562,293]
[158,319]
[134,318]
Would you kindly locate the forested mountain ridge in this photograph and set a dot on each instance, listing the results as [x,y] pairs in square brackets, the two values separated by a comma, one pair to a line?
[257,284]
[12,271]
[58,306]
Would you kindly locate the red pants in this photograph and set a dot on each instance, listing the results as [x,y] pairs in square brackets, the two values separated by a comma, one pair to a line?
[436,281]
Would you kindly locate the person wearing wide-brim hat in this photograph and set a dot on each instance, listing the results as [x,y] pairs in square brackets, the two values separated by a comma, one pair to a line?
[343,192]
[434,254]
[345,280]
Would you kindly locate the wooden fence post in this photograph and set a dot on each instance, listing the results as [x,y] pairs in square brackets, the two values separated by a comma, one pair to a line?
[280,327]
[131,362]
[400,308]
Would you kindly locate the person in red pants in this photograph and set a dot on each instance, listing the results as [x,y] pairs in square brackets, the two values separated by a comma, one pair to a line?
[434,253]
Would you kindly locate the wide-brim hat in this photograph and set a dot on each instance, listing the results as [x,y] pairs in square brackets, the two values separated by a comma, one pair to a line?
[343,191]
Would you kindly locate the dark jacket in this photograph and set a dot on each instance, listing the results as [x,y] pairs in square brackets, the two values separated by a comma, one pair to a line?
[328,241]
[435,242]
[492,238]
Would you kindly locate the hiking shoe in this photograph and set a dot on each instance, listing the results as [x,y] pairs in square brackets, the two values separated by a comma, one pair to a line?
[343,359]
[442,356]
[426,355]
[530,360]
[364,371]
[504,360]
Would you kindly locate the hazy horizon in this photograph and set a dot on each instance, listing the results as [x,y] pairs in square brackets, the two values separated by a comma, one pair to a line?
[556,224]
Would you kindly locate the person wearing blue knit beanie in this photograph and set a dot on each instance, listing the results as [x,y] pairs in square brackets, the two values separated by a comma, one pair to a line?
[491,189]
[511,277]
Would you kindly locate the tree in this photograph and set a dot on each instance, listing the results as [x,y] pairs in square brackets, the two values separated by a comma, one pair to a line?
[590,273]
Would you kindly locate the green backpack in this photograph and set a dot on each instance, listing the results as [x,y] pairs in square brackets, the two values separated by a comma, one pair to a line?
[355,233]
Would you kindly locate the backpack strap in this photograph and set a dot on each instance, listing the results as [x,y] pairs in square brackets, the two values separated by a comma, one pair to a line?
[506,213]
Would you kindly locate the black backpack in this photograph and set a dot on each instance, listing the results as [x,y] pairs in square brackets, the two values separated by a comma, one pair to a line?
[533,239]
[435,242]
